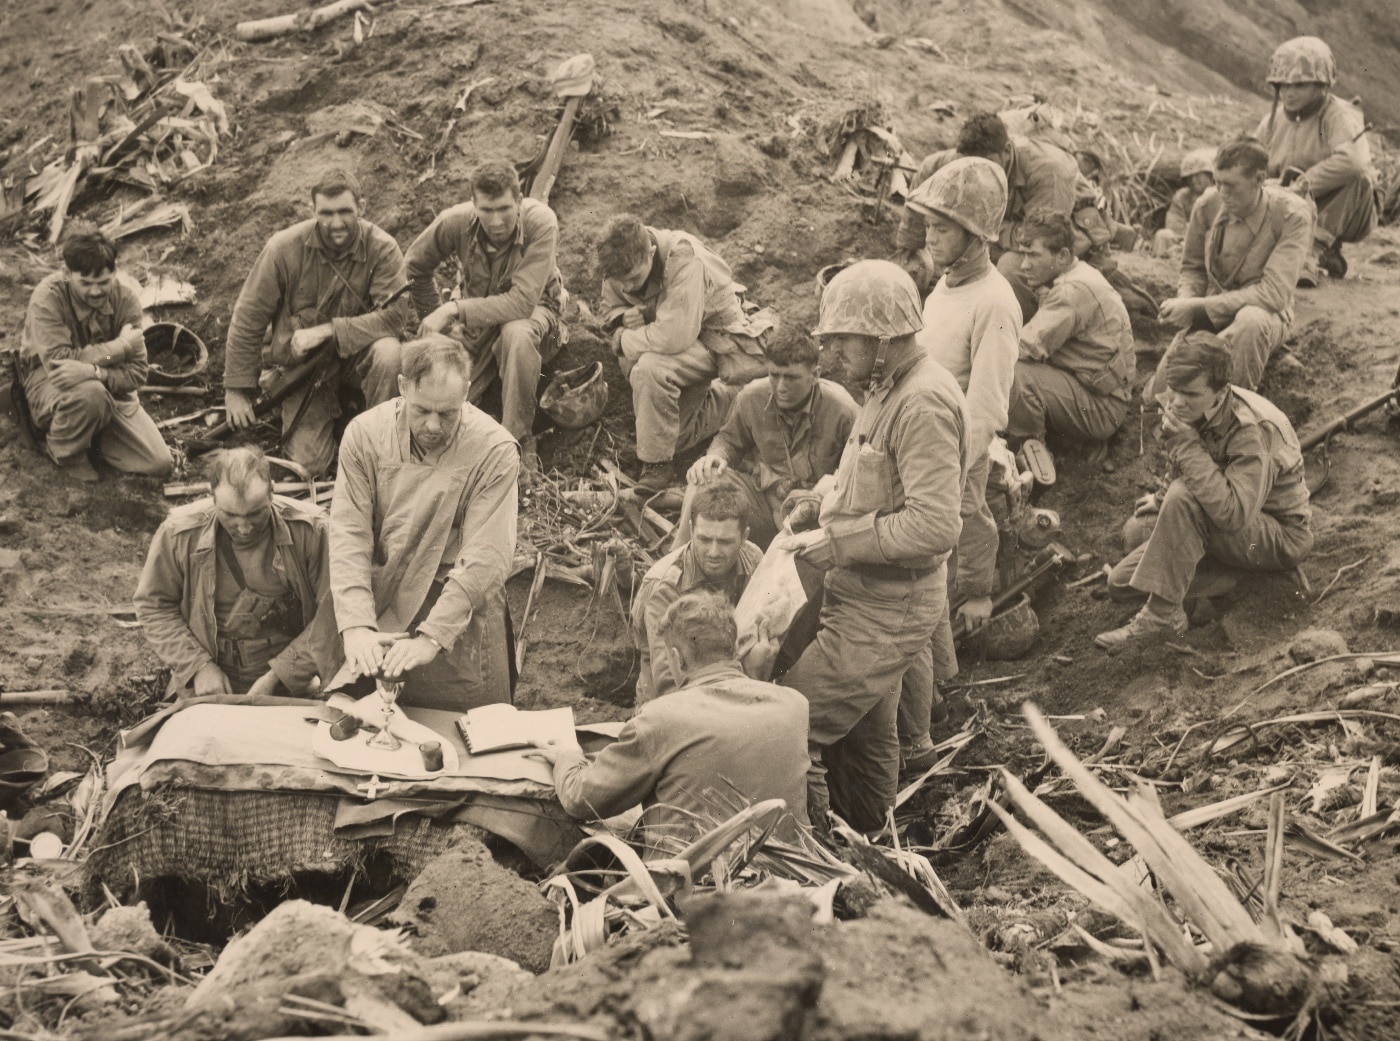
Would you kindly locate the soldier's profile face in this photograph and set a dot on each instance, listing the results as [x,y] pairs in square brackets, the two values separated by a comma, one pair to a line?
[947,240]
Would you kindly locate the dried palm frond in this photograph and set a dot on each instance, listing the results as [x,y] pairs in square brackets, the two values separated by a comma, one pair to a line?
[1256,966]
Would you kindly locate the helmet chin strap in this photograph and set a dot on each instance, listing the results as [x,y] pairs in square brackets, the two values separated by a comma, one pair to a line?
[877,371]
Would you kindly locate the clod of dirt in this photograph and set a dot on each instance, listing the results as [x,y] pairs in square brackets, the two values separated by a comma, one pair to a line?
[1316,644]
[129,929]
[482,981]
[309,951]
[901,973]
[464,901]
[755,972]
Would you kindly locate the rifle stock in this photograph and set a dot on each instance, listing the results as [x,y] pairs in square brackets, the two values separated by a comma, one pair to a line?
[292,380]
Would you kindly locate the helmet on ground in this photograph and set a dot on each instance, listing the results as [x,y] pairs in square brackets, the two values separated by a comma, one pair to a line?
[970,191]
[1198,160]
[1011,633]
[870,298]
[176,354]
[1303,59]
[576,397]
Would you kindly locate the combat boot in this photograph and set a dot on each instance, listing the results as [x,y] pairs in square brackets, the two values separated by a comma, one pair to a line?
[1146,625]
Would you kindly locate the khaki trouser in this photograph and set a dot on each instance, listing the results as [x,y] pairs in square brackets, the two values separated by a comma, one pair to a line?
[677,401]
[1046,398]
[973,572]
[512,353]
[872,630]
[1182,536]
[1253,336]
[88,416]
[374,371]
[1347,214]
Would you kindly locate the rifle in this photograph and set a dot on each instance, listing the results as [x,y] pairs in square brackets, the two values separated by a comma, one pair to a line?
[1343,422]
[290,382]
[1051,558]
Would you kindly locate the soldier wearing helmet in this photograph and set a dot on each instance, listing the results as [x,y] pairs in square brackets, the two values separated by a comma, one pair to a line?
[1041,177]
[972,328]
[1317,148]
[1198,173]
[885,527]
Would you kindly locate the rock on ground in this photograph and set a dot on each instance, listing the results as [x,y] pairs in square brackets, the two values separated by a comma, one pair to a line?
[760,970]
[305,950]
[464,901]
[1315,644]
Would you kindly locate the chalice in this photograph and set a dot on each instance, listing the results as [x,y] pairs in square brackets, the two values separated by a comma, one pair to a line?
[389,693]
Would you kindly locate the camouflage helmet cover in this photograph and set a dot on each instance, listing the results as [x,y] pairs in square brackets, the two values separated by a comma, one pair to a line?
[870,298]
[1303,59]
[1198,160]
[970,191]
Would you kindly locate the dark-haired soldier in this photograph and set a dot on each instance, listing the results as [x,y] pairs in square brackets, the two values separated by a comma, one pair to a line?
[1074,377]
[1237,496]
[1246,245]
[334,277]
[422,536]
[783,434]
[681,336]
[82,358]
[232,584]
[509,296]
[718,557]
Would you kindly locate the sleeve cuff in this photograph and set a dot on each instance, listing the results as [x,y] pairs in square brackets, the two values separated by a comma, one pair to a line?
[855,541]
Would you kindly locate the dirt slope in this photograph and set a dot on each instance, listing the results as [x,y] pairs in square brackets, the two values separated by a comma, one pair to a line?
[763,85]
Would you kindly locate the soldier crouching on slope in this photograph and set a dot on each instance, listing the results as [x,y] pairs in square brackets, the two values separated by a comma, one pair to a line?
[1237,495]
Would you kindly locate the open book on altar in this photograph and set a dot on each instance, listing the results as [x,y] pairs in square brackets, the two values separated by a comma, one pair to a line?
[495,728]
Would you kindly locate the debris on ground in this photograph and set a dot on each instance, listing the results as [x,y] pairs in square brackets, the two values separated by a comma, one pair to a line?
[464,901]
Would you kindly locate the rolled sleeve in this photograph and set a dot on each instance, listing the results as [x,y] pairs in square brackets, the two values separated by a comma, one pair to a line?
[619,777]
[439,241]
[1193,280]
[488,547]
[253,312]
[1051,326]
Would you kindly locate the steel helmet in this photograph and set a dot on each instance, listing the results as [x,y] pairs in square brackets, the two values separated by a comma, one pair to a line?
[970,190]
[1303,59]
[870,298]
[1198,160]
[576,397]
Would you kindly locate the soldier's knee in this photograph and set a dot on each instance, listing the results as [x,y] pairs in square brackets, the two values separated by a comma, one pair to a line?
[1250,319]
[90,400]
[385,354]
[1180,501]
[523,333]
